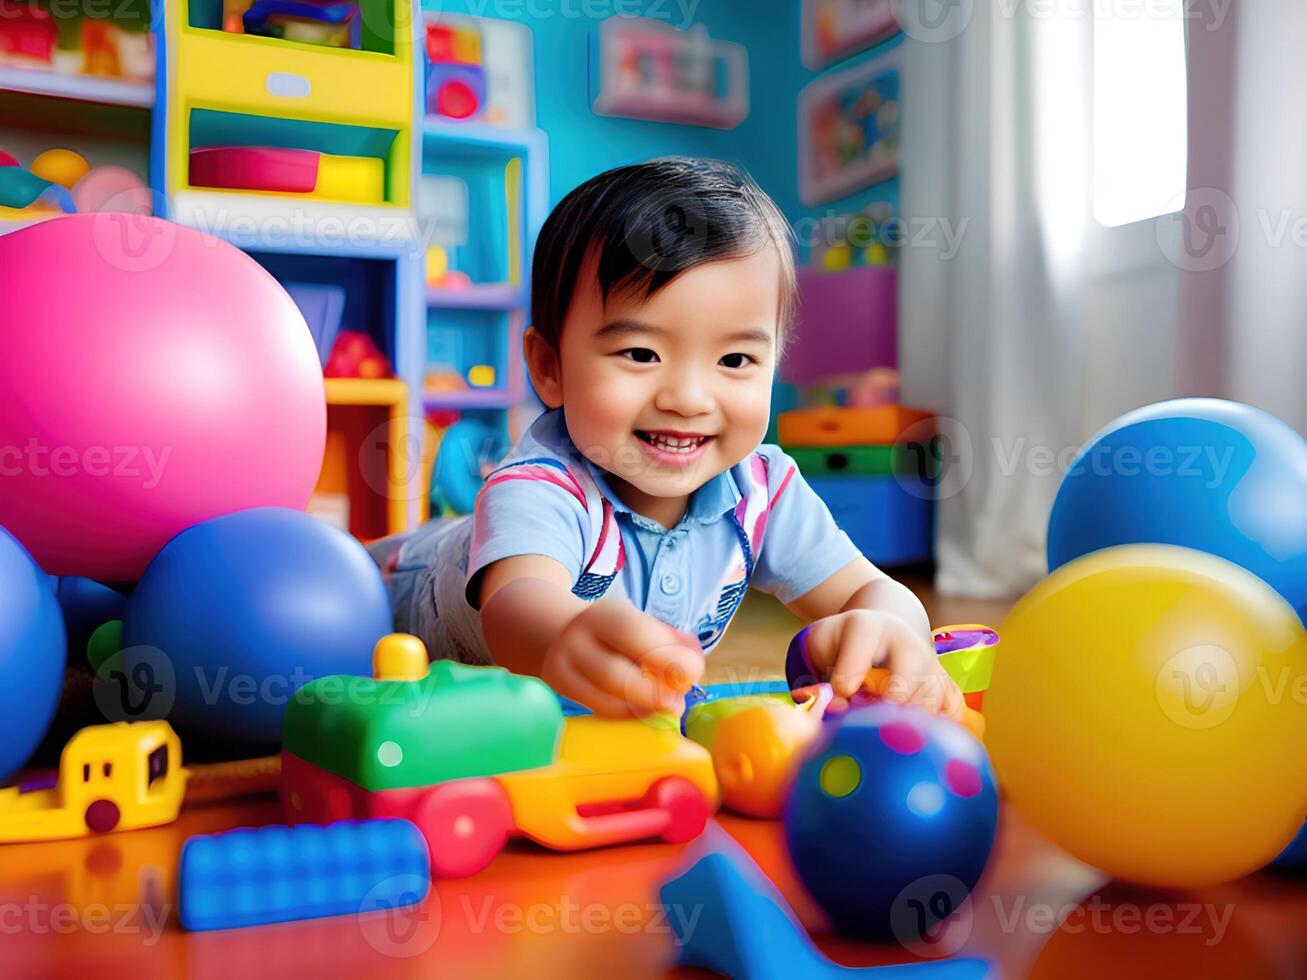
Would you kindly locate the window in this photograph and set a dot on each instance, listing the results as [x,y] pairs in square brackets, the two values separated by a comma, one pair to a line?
[1140,107]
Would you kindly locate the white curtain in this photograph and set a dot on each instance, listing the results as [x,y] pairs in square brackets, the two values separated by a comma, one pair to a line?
[997,111]
[1266,320]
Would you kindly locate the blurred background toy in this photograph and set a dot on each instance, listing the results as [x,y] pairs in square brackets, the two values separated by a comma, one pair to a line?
[32,654]
[333,24]
[356,355]
[892,820]
[1203,473]
[256,876]
[1183,768]
[236,613]
[186,402]
[111,777]
[455,78]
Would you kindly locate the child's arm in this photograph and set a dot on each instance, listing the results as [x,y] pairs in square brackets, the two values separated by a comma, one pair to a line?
[862,619]
[610,656]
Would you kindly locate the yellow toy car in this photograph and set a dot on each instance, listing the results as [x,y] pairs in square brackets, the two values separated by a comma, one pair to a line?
[111,777]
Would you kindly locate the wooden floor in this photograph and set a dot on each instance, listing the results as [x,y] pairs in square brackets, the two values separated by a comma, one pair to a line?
[106,907]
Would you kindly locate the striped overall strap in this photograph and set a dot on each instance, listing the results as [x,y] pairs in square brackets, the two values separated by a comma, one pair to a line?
[607,556]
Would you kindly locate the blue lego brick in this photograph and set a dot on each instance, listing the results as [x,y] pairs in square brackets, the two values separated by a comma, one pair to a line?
[887,517]
[256,876]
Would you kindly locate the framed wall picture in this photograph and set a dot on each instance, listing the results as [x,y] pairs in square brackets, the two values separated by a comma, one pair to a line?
[834,29]
[849,130]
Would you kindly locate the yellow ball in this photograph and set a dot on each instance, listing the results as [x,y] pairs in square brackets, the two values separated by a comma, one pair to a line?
[1149,715]
[62,167]
[837,258]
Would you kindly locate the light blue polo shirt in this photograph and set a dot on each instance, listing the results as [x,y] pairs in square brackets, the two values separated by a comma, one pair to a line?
[669,573]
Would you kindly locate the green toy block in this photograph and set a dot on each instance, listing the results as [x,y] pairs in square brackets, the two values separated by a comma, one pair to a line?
[895,460]
[457,721]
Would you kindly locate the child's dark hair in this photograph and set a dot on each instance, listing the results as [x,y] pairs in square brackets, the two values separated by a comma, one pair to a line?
[650,222]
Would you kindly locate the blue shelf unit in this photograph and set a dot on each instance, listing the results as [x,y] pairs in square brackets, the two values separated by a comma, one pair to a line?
[484,196]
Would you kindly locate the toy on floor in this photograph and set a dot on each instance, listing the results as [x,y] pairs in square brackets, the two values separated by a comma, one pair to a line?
[966,652]
[111,777]
[475,755]
[236,613]
[1201,473]
[892,820]
[1184,766]
[256,876]
[33,653]
[730,919]
[186,424]
[756,743]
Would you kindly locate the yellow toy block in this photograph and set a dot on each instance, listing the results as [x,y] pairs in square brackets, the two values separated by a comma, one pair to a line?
[357,179]
[481,376]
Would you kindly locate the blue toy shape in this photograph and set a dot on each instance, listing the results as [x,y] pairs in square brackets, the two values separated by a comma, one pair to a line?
[730,919]
[252,877]
[1201,473]
[891,821]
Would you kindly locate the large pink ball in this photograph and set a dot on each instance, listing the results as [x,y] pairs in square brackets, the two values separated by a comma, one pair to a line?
[151,377]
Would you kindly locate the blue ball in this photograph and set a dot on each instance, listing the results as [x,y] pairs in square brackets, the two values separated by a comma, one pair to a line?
[1294,857]
[1202,473]
[32,654]
[892,820]
[236,613]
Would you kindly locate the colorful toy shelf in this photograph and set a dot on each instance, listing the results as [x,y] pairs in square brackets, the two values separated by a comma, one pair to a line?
[80,88]
[353,112]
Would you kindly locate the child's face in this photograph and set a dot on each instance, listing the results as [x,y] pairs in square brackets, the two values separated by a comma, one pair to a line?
[669,391]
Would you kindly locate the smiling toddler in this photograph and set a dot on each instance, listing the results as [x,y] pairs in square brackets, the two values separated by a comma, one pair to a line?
[609,551]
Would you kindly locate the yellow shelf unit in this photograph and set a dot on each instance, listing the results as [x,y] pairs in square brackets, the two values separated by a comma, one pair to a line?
[370,455]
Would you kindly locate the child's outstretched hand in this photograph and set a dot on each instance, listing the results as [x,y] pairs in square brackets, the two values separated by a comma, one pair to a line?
[864,649]
[622,663]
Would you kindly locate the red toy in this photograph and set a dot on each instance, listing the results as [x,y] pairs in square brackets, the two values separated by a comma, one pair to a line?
[356,355]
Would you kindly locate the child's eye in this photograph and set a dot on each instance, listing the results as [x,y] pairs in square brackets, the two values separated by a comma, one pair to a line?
[641,355]
[737,361]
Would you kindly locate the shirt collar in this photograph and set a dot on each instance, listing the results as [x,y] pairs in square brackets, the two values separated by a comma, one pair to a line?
[708,504]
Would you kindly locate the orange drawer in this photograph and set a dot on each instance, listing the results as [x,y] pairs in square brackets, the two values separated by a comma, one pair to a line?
[833,426]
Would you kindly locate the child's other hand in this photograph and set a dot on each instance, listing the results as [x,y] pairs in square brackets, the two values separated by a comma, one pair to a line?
[857,649]
[622,663]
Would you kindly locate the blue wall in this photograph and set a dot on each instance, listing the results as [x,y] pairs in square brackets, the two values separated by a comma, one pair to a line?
[581,144]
